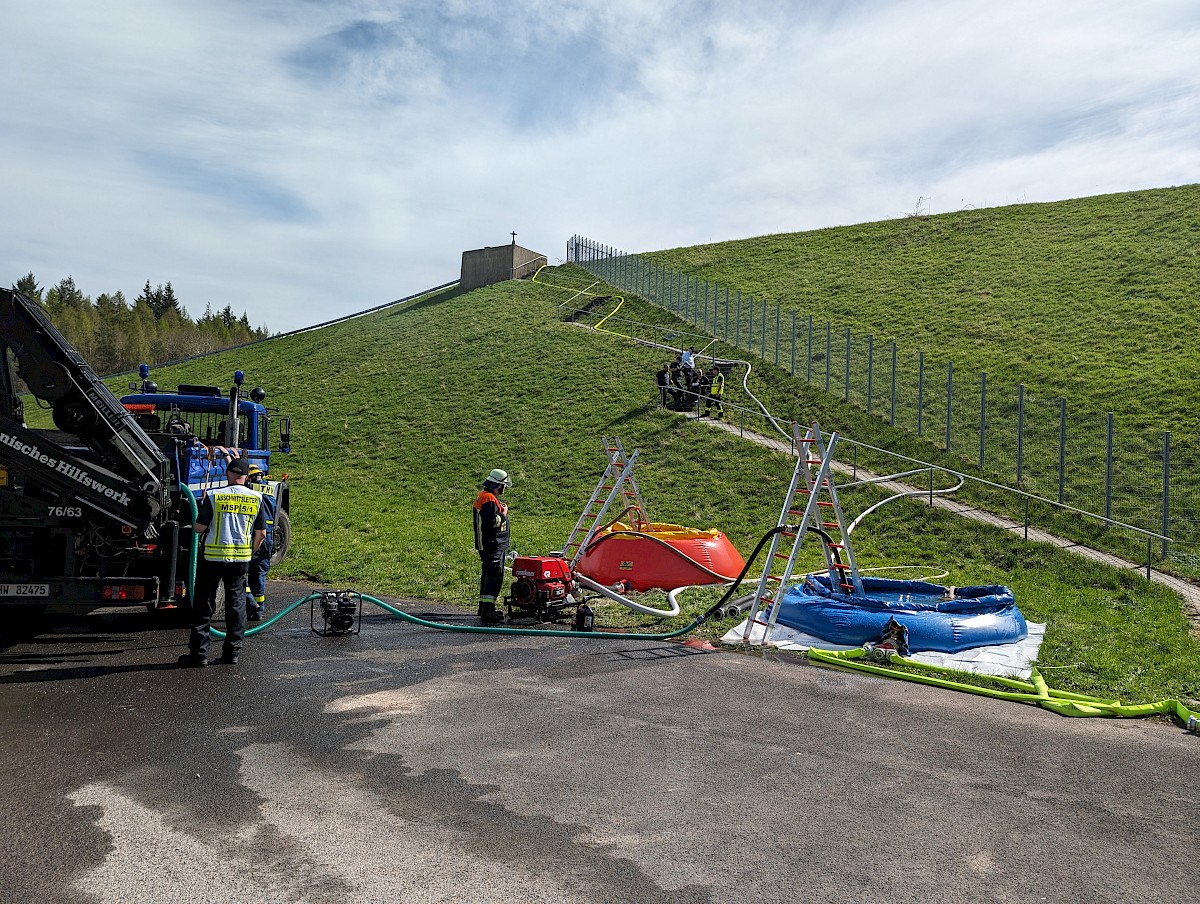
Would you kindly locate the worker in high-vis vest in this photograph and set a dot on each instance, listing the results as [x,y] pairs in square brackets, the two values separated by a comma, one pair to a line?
[491,542]
[231,526]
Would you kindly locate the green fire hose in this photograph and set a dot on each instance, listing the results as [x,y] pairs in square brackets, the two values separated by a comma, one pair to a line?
[1034,691]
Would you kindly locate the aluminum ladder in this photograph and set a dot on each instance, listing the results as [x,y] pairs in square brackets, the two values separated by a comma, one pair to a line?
[616,481]
[811,497]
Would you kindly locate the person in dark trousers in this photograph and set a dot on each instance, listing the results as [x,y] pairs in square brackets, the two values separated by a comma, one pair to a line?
[716,391]
[663,379]
[232,526]
[703,385]
[260,563]
[491,542]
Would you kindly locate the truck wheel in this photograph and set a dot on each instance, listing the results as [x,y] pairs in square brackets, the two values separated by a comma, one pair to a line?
[283,537]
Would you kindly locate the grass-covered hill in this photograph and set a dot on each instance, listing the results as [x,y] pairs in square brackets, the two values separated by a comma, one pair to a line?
[399,414]
[1096,300]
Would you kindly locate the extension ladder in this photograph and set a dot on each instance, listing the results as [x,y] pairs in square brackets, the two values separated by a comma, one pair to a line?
[617,480]
[816,504]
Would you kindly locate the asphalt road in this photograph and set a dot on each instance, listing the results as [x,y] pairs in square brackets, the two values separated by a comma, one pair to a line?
[406,764]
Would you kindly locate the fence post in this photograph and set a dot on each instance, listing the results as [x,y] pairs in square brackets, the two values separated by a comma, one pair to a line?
[793,342]
[870,369]
[846,394]
[949,399]
[1020,429]
[828,351]
[737,340]
[763,341]
[1108,468]
[982,414]
[808,358]
[920,392]
[776,334]
[726,315]
[1062,449]
[1166,496]
[750,327]
[892,417]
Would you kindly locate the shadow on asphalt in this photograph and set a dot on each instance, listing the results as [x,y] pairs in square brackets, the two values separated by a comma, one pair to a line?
[83,671]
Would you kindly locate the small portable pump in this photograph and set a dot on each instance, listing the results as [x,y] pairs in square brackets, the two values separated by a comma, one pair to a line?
[542,586]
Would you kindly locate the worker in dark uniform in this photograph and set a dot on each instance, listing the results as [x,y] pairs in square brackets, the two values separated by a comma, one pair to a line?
[716,391]
[703,385]
[663,379]
[232,526]
[260,563]
[491,542]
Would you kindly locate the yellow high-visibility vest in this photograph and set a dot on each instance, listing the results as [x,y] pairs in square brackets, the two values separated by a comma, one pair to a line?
[229,537]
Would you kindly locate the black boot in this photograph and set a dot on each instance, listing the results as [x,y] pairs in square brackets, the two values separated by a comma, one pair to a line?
[489,614]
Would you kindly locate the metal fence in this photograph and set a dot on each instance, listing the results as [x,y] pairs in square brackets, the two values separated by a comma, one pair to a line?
[1097,463]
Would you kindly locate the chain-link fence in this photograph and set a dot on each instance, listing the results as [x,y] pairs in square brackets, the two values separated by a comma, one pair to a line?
[1043,447]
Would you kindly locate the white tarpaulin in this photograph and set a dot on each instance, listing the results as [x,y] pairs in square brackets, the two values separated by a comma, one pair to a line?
[1011,660]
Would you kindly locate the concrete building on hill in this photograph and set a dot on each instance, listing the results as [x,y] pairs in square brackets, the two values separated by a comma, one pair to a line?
[485,266]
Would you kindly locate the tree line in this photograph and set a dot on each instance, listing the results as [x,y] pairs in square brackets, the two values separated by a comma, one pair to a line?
[115,336]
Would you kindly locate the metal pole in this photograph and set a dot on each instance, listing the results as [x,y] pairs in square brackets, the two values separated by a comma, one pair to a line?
[750,329]
[920,391]
[706,306]
[776,335]
[892,419]
[1062,448]
[737,340]
[808,357]
[828,351]
[1108,468]
[846,393]
[727,314]
[764,331]
[870,369]
[1020,429]
[949,399]
[793,343]
[1166,496]
[982,414]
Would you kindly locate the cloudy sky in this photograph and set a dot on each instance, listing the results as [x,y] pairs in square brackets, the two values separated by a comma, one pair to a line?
[300,160]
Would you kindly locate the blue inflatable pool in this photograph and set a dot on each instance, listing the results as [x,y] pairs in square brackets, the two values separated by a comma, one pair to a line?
[936,619]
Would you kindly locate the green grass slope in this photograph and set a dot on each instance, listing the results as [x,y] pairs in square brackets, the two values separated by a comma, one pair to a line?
[1096,300]
[399,414]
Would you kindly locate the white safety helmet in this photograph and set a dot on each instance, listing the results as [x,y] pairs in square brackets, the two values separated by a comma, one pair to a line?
[499,478]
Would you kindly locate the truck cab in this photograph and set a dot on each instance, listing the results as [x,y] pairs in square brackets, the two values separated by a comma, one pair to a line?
[200,428]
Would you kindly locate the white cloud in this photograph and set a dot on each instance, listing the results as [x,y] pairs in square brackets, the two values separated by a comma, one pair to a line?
[299,160]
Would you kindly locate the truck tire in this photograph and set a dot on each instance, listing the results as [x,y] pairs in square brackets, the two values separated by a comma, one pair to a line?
[283,537]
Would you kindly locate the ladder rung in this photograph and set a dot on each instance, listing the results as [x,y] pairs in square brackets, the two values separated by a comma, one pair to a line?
[795,511]
[787,533]
[831,524]
[813,461]
[836,545]
[839,565]
[823,502]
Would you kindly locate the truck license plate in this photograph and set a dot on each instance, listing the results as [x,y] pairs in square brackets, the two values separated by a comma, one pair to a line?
[24,589]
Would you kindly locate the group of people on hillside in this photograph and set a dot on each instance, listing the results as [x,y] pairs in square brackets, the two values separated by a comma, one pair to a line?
[683,384]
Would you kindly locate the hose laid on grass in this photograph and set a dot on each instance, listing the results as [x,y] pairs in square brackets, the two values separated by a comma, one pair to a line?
[1035,691]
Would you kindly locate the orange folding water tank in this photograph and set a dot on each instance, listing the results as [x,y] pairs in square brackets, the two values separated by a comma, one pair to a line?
[660,556]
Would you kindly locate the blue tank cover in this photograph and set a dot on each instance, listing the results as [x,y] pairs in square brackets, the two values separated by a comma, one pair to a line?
[936,619]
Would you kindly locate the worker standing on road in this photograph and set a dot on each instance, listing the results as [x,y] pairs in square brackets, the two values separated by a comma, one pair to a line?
[491,542]
[233,527]
[260,563]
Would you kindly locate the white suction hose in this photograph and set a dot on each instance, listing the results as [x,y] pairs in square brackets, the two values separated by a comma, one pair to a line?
[587,582]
